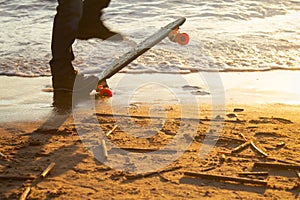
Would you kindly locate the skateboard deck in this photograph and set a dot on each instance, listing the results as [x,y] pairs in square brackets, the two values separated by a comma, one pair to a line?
[141,48]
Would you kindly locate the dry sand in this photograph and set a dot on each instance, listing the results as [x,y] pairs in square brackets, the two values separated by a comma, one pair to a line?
[29,147]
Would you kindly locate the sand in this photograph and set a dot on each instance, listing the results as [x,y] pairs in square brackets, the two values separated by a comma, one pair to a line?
[145,169]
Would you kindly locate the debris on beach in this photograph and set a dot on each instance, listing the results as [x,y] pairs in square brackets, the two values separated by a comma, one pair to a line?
[25,193]
[231,115]
[238,110]
[258,149]
[200,93]
[17,178]
[276,165]
[241,147]
[103,149]
[225,178]
[253,173]
[47,170]
[191,87]
[112,130]
[298,173]
[3,156]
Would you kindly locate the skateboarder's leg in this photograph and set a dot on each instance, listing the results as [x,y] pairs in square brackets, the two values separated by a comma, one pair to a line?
[65,27]
[91,25]
[92,11]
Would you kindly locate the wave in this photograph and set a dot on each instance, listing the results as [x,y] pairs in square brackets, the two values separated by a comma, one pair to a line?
[152,71]
[226,36]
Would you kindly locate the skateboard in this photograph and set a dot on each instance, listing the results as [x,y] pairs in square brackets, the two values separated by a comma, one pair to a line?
[171,31]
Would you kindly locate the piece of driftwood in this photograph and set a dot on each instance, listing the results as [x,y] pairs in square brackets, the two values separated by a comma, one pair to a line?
[241,147]
[47,170]
[238,121]
[231,138]
[229,154]
[238,110]
[17,178]
[2,155]
[103,149]
[142,150]
[225,138]
[276,165]
[222,158]
[225,178]
[25,193]
[208,169]
[253,173]
[243,136]
[112,130]
[145,175]
[282,161]
[298,173]
[258,149]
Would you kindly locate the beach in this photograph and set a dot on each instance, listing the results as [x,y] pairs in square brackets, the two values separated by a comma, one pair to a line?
[161,148]
[215,119]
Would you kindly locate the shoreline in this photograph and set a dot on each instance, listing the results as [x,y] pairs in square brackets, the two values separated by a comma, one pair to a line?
[22,99]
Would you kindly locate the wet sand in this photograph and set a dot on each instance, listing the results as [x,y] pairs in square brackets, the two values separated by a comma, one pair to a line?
[262,108]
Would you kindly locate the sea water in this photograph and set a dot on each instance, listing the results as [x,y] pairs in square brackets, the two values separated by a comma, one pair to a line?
[226,35]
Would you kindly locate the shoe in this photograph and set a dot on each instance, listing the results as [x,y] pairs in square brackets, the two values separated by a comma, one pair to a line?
[75,82]
[62,102]
[64,82]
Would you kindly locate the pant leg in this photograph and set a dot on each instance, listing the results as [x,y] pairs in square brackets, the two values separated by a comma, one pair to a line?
[65,26]
[92,11]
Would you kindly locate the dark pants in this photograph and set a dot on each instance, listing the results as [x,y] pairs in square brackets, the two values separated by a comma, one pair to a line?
[70,15]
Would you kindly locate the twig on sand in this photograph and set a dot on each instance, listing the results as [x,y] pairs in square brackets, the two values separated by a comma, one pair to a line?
[225,138]
[258,149]
[103,149]
[222,158]
[228,153]
[25,193]
[225,178]
[112,130]
[145,175]
[243,136]
[253,173]
[253,156]
[238,110]
[17,178]
[298,173]
[241,147]
[3,156]
[276,165]
[142,150]
[47,170]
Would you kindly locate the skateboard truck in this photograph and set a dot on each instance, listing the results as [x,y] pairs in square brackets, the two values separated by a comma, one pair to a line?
[103,89]
[178,37]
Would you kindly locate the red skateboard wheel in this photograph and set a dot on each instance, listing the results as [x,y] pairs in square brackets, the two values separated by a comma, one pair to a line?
[105,92]
[182,38]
